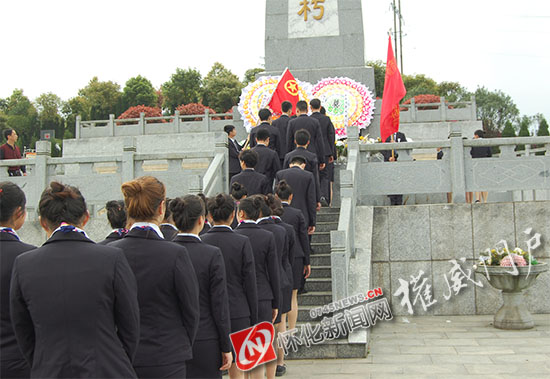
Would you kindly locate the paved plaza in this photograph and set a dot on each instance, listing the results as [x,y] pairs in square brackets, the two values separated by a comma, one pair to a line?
[442,347]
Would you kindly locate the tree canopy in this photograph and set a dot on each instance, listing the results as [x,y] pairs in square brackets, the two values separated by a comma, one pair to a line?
[138,91]
[22,116]
[184,87]
[494,108]
[221,88]
[102,98]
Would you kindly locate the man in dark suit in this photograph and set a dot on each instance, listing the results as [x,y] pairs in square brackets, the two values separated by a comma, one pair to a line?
[234,150]
[329,136]
[391,156]
[274,136]
[254,182]
[301,139]
[303,187]
[268,162]
[282,124]
[303,121]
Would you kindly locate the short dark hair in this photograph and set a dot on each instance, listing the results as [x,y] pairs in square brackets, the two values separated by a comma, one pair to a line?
[302,106]
[286,106]
[315,104]
[11,197]
[264,114]
[275,204]
[265,210]
[249,157]
[323,110]
[186,211]
[7,133]
[251,207]
[298,159]
[283,190]
[480,133]
[263,134]
[238,191]
[221,207]
[228,128]
[116,213]
[302,137]
[61,203]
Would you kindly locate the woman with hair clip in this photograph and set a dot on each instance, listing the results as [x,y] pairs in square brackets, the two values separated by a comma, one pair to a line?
[239,267]
[12,218]
[266,261]
[212,347]
[276,212]
[300,265]
[167,226]
[238,192]
[168,292]
[73,302]
[116,214]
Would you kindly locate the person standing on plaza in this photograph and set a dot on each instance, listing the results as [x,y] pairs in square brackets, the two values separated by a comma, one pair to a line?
[12,218]
[234,150]
[268,162]
[282,125]
[303,121]
[10,151]
[275,141]
[116,214]
[329,135]
[74,304]
[168,291]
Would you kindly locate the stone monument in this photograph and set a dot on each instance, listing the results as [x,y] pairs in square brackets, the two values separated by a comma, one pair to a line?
[316,39]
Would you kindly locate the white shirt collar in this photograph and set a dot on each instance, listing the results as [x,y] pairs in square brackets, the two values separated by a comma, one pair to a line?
[11,230]
[168,224]
[75,229]
[155,227]
[222,226]
[263,218]
[189,235]
[248,221]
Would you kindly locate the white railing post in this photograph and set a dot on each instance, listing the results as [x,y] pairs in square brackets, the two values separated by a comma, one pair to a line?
[77,127]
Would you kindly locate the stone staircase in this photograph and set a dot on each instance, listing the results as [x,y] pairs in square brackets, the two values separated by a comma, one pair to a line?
[319,293]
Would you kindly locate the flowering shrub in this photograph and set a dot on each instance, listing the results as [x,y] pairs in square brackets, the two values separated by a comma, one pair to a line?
[506,258]
[133,112]
[195,109]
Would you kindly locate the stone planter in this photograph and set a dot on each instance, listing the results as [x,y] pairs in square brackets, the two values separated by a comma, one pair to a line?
[514,313]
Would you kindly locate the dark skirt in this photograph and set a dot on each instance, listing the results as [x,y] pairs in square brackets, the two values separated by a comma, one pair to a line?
[207,359]
[298,272]
[264,311]
[174,370]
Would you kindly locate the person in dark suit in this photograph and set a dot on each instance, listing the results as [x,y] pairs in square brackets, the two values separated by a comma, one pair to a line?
[74,303]
[212,347]
[167,226]
[303,187]
[253,181]
[282,125]
[302,139]
[329,135]
[168,292]
[239,266]
[12,218]
[268,162]
[274,136]
[207,226]
[303,121]
[301,267]
[234,150]
[116,214]
[391,156]
[238,192]
[480,152]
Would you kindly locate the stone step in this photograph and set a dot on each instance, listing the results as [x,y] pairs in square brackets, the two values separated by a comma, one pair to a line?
[326,226]
[320,248]
[304,316]
[319,260]
[319,284]
[320,272]
[325,210]
[321,237]
[336,349]
[315,298]
[327,217]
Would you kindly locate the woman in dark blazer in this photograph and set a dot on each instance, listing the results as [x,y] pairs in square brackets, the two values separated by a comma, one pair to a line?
[238,192]
[116,214]
[167,227]
[12,218]
[168,292]
[301,267]
[212,347]
[239,267]
[74,303]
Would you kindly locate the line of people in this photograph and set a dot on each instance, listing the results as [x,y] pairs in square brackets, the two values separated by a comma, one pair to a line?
[160,295]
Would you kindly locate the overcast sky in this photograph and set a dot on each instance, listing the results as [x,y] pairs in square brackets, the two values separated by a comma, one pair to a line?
[58,46]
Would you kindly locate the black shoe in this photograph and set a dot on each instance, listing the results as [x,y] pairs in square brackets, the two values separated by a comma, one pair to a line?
[324,202]
[281,370]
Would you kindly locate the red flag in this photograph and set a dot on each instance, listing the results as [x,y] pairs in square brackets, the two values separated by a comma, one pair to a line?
[394,90]
[287,90]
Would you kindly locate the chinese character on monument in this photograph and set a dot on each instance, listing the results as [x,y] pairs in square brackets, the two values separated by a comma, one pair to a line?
[305,8]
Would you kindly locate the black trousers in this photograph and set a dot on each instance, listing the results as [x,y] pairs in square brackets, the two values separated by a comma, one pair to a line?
[207,359]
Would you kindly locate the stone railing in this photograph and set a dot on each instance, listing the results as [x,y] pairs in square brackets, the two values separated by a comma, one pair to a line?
[207,122]
[442,111]
[343,239]
[457,172]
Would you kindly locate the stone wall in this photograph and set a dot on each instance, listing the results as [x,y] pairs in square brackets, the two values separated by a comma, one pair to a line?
[410,239]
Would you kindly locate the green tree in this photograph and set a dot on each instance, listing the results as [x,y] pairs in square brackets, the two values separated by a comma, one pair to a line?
[70,109]
[104,98]
[221,88]
[138,91]
[47,105]
[379,76]
[419,85]
[250,75]
[3,122]
[543,128]
[494,108]
[508,130]
[523,130]
[184,87]
[453,92]
[22,116]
